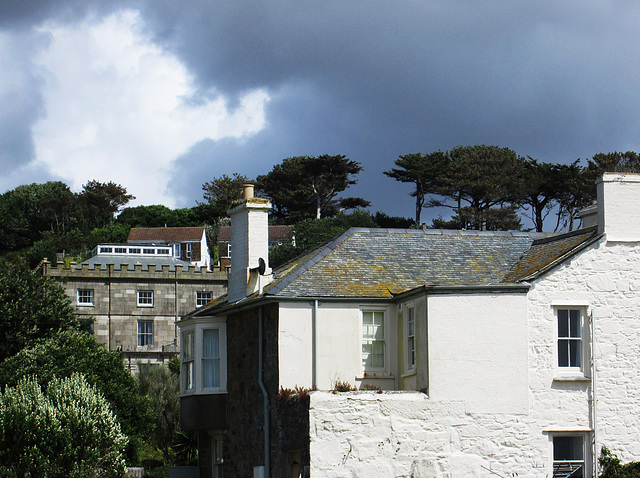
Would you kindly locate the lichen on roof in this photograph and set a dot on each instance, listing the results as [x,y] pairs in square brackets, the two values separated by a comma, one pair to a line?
[380,263]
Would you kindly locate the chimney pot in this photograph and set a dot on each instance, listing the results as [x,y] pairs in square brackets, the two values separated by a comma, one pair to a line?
[247,191]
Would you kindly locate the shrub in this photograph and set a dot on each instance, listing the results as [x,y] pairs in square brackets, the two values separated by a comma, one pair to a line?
[340,386]
[612,468]
[66,431]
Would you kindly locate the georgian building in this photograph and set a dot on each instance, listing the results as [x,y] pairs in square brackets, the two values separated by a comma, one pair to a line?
[471,353]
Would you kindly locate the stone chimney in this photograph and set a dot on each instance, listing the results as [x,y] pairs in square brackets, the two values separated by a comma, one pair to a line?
[250,244]
[619,206]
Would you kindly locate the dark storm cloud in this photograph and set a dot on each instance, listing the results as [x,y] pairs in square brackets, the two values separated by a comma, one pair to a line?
[376,79]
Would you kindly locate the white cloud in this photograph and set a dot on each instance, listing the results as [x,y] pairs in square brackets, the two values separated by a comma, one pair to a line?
[117,108]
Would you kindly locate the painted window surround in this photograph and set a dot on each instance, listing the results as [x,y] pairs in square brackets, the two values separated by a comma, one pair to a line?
[197,329]
[568,373]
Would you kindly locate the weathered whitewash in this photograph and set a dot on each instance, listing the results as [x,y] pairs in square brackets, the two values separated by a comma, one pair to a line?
[490,354]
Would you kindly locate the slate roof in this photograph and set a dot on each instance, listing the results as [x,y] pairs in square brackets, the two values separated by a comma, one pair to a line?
[117,260]
[380,263]
[165,234]
[545,253]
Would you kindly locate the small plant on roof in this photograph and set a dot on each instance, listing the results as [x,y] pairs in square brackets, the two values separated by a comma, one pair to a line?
[340,386]
[284,394]
[369,386]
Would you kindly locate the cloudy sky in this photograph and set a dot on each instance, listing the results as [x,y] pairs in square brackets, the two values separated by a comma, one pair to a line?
[161,96]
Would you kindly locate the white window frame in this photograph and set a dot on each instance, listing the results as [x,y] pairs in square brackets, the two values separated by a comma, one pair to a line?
[188,250]
[187,359]
[558,472]
[410,337]
[85,298]
[564,338]
[383,340]
[195,363]
[203,297]
[148,336]
[145,298]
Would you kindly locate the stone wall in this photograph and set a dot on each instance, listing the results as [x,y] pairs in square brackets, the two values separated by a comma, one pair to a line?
[405,434]
[115,309]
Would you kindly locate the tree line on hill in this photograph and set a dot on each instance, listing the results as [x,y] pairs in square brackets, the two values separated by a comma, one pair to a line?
[484,187]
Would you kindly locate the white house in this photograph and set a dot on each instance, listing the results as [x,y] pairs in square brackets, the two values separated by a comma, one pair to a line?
[474,353]
[187,243]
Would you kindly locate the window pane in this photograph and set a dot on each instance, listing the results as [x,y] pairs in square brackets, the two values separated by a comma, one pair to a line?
[145,332]
[563,353]
[575,323]
[575,353]
[568,456]
[210,343]
[568,448]
[563,323]
[210,358]
[187,346]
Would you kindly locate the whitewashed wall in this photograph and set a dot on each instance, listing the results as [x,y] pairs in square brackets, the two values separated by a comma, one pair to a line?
[338,352]
[606,277]
[478,350]
[405,434]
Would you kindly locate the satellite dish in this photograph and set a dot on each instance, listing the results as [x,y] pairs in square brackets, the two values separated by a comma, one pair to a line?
[262,266]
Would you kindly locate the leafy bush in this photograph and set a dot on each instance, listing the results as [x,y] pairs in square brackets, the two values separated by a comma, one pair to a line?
[68,430]
[612,468]
[66,353]
[162,387]
[32,307]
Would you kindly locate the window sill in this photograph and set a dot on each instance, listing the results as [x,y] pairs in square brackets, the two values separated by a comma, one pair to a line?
[85,305]
[409,373]
[571,378]
[376,376]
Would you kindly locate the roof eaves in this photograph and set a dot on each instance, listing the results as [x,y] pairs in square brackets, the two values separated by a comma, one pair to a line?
[567,255]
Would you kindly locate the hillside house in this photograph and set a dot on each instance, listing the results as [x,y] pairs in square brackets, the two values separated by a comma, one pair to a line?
[188,243]
[495,353]
[134,293]
[278,235]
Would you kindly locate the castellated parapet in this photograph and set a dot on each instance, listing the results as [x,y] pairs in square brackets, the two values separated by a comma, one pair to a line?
[134,307]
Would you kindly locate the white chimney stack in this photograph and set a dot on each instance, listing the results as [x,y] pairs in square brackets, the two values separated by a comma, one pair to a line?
[250,243]
[619,206]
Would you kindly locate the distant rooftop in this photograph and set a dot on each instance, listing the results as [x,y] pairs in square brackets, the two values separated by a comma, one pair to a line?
[165,234]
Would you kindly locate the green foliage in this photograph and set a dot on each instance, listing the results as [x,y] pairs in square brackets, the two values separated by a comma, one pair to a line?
[39,220]
[101,201]
[220,193]
[425,171]
[65,353]
[112,233]
[68,430]
[32,307]
[162,387]
[492,219]
[309,233]
[160,216]
[612,468]
[384,220]
[27,211]
[307,186]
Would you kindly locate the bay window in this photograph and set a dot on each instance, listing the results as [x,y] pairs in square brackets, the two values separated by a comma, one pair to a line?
[203,358]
